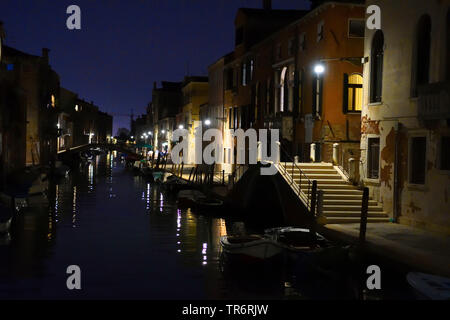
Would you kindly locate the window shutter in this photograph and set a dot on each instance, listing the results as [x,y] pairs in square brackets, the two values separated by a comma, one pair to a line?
[320,95]
[314,97]
[345,95]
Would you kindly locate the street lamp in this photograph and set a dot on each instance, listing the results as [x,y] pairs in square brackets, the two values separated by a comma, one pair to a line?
[319,69]
[207,122]
[180,126]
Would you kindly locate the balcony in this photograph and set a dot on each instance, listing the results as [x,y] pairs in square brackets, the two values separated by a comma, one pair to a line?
[434,101]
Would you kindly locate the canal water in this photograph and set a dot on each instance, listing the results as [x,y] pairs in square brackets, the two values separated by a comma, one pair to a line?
[132,242]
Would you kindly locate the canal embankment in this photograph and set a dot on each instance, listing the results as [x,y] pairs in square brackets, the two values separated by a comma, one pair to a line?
[405,246]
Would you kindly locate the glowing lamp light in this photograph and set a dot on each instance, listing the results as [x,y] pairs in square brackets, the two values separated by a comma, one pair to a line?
[207,122]
[132,137]
[319,69]
[163,131]
[180,126]
[149,132]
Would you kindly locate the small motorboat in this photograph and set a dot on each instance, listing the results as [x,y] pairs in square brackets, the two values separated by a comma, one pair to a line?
[207,205]
[185,198]
[428,286]
[6,215]
[295,239]
[254,247]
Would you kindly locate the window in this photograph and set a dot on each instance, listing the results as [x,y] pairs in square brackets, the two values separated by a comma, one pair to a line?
[251,70]
[373,158]
[300,90]
[445,153]
[230,118]
[418,150]
[229,78]
[353,92]
[291,47]
[239,36]
[302,42]
[448,44]
[317,96]
[376,67]
[268,88]
[356,28]
[244,74]
[421,68]
[320,31]
[278,52]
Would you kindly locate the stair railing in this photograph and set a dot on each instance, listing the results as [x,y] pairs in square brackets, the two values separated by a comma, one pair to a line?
[307,193]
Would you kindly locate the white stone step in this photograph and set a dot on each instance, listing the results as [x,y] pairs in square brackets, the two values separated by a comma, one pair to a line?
[317,176]
[353,202]
[342,220]
[329,184]
[353,214]
[350,208]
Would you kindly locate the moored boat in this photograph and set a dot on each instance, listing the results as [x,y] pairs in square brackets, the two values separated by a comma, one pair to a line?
[250,246]
[6,215]
[295,239]
[428,286]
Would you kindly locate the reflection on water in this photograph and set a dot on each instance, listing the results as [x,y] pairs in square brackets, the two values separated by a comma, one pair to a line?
[130,241]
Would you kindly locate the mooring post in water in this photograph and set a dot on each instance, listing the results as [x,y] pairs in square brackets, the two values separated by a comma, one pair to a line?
[313,212]
[364,210]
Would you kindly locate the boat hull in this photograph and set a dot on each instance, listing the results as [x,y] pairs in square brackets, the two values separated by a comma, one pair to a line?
[260,249]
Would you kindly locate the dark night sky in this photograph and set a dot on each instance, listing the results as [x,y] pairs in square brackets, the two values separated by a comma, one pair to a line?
[126,45]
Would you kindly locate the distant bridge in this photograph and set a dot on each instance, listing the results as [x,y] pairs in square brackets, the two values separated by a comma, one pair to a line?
[105,146]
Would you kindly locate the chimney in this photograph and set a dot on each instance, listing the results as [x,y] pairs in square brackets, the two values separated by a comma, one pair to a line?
[267,4]
[45,52]
[154,85]
[2,31]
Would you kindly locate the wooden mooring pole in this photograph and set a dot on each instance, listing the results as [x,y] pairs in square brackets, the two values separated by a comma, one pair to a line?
[364,211]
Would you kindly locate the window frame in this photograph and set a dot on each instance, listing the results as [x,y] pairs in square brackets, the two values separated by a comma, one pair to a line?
[420,134]
[348,28]
[368,158]
[376,69]
[346,86]
[320,31]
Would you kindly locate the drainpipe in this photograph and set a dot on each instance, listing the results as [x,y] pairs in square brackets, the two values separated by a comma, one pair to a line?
[396,167]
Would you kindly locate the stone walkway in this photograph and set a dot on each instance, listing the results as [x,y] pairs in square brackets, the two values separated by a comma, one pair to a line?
[418,249]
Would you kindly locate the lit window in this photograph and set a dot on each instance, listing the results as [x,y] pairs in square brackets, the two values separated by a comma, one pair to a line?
[76,108]
[353,92]
[53,101]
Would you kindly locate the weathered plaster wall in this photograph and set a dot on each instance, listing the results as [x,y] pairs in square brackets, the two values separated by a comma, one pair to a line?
[422,205]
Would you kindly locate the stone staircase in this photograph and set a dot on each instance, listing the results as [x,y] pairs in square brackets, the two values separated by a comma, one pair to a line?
[342,201]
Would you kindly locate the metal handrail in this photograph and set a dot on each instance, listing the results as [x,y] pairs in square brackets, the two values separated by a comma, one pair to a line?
[302,174]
